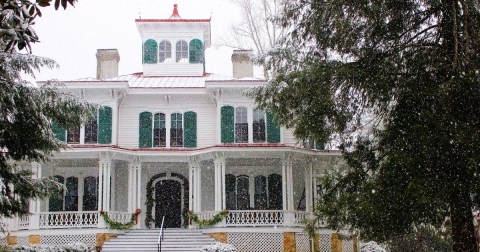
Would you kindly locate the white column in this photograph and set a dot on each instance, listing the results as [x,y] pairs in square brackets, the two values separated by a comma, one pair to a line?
[309,187]
[100,187]
[198,191]
[219,163]
[139,185]
[289,169]
[193,167]
[81,188]
[130,189]
[34,207]
[284,186]
[105,171]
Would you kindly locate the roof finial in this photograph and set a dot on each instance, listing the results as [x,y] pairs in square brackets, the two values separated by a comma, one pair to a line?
[175,12]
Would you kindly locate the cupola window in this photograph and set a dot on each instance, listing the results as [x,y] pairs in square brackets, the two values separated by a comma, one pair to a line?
[181,51]
[165,51]
[196,51]
[150,52]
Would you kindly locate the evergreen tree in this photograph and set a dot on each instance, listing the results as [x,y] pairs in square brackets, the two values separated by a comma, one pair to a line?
[27,112]
[414,67]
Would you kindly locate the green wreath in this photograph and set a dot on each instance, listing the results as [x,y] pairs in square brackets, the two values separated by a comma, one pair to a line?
[217,218]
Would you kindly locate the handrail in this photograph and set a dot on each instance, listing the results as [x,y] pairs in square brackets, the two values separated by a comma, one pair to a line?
[160,236]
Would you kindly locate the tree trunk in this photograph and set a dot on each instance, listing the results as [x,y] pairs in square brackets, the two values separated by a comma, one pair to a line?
[463,230]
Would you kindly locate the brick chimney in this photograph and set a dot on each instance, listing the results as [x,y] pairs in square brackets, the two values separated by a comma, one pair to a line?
[107,63]
[242,63]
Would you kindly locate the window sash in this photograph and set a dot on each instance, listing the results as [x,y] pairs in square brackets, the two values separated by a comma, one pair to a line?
[73,136]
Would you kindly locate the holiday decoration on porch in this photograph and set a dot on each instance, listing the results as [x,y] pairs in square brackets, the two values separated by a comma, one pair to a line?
[217,218]
[118,225]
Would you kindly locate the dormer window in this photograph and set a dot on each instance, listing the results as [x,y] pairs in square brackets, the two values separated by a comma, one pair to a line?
[181,51]
[164,51]
[150,52]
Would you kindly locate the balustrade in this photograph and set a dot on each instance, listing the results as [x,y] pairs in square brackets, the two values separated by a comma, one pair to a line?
[68,219]
[121,217]
[255,218]
[24,222]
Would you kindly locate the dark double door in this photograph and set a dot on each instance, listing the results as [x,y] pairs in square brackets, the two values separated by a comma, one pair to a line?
[168,203]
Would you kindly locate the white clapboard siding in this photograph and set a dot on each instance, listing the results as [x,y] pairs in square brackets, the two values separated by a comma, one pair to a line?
[133,105]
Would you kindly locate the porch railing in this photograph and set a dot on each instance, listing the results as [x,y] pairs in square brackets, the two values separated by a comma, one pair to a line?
[255,218]
[68,219]
[24,222]
[121,217]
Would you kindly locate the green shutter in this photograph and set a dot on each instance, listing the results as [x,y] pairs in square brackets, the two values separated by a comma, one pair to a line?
[273,130]
[150,49]
[190,133]
[105,125]
[145,130]
[319,145]
[196,51]
[227,124]
[59,132]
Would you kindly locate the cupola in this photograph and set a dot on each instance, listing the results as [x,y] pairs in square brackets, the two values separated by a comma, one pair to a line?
[174,46]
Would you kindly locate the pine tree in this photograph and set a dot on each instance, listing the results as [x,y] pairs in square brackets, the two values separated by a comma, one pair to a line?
[413,67]
[27,112]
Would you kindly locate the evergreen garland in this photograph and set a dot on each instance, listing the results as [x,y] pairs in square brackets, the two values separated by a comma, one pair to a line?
[149,204]
[117,225]
[217,218]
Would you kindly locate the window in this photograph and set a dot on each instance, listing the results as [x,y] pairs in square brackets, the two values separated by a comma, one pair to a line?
[73,136]
[71,196]
[181,51]
[258,126]
[196,51]
[55,202]
[241,125]
[159,130]
[176,130]
[243,194]
[234,126]
[97,130]
[275,192]
[153,130]
[90,194]
[260,193]
[150,52]
[237,192]
[91,130]
[230,192]
[165,51]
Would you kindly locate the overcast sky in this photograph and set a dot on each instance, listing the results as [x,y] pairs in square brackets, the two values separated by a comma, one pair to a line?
[71,37]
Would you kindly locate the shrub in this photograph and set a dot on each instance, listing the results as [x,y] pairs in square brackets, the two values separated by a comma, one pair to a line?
[218,247]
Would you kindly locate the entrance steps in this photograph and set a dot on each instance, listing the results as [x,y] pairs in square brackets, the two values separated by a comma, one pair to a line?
[139,240]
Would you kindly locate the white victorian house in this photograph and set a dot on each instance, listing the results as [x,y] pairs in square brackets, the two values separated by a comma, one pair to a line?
[174,139]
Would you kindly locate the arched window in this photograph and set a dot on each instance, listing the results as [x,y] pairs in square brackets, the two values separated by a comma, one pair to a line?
[164,51]
[176,130]
[159,130]
[258,126]
[241,125]
[55,202]
[196,51]
[90,194]
[71,196]
[243,193]
[260,192]
[275,192]
[181,51]
[150,52]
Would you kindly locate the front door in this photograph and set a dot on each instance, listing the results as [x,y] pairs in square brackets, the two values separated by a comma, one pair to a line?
[168,203]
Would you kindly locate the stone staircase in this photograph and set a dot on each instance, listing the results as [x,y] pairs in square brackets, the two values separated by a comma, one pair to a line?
[139,240]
